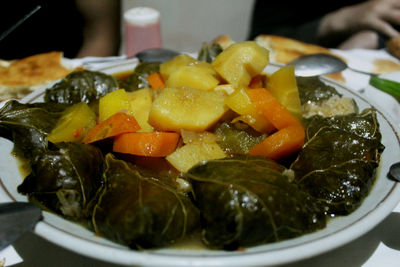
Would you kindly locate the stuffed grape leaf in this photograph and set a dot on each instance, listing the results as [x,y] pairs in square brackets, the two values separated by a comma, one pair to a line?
[82,86]
[65,179]
[314,90]
[246,201]
[141,211]
[337,164]
[27,125]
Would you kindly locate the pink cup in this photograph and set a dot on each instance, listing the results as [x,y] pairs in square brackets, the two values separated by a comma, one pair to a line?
[142,30]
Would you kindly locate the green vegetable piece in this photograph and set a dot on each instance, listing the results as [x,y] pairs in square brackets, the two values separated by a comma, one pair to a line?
[209,52]
[385,85]
[237,141]
[246,201]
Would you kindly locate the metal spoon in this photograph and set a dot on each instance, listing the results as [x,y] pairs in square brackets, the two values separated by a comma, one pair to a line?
[319,64]
[156,55]
[149,55]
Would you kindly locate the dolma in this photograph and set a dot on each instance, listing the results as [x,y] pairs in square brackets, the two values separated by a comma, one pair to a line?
[337,164]
[246,201]
[65,180]
[141,211]
[312,89]
[82,86]
[27,125]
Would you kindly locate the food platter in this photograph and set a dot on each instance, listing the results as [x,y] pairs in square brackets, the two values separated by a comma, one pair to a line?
[381,201]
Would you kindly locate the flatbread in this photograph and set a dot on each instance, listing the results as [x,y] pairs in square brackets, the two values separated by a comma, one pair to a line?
[21,77]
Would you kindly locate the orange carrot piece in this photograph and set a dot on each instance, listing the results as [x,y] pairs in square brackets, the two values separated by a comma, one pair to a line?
[156,81]
[281,144]
[257,82]
[271,109]
[150,144]
[116,124]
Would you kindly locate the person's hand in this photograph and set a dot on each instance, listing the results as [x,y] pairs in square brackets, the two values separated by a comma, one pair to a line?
[366,39]
[380,16]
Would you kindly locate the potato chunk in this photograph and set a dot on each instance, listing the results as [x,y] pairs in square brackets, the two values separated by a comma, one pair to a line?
[175,63]
[190,154]
[139,105]
[186,108]
[112,103]
[240,62]
[194,76]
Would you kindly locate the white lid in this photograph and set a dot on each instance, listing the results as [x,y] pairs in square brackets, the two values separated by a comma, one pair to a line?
[142,16]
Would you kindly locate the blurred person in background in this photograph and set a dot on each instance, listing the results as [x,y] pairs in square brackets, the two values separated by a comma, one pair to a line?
[78,28]
[342,24]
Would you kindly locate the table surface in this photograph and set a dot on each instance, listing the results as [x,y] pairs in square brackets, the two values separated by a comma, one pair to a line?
[380,246]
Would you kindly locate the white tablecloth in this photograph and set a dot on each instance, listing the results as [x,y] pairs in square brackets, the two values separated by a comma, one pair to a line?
[379,247]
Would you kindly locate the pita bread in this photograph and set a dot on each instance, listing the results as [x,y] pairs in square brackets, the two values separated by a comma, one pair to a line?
[21,77]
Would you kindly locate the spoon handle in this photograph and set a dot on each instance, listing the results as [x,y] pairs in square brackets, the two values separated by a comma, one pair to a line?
[362,72]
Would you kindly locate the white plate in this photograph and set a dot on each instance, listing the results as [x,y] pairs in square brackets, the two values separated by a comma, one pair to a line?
[382,199]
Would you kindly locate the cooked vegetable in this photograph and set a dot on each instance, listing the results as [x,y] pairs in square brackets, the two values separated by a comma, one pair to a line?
[257,81]
[65,179]
[139,105]
[74,124]
[314,90]
[117,124]
[209,52]
[246,201]
[337,163]
[166,68]
[186,108]
[195,76]
[290,135]
[240,62]
[138,78]
[240,102]
[280,144]
[27,125]
[141,211]
[189,155]
[153,144]
[388,86]
[112,103]
[155,81]
[271,109]
[283,86]
[83,86]
[237,141]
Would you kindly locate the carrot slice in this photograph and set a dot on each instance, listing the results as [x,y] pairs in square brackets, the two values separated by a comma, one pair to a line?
[290,135]
[116,124]
[271,109]
[156,81]
[280,144]
[150,144]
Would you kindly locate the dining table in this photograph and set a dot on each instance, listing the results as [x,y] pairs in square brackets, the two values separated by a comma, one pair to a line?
[378,247]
